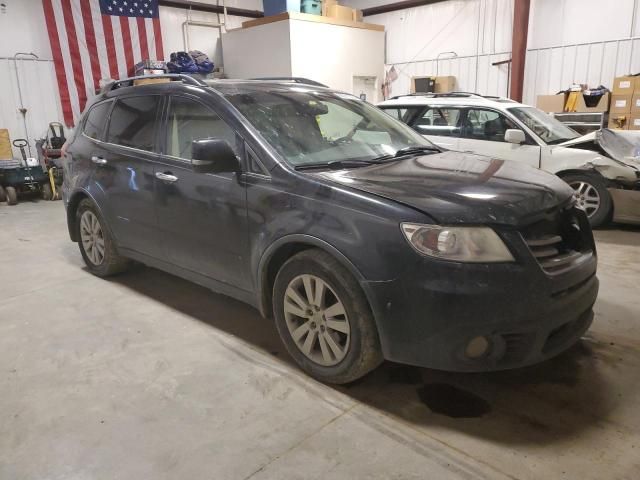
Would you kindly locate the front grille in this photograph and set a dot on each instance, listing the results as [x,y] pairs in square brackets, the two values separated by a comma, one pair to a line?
[560,242]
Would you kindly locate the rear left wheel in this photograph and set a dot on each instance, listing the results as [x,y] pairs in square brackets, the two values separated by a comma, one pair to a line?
[324,318]
[97,246]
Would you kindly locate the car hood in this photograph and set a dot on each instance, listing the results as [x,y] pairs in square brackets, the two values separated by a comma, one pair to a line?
[620,145]
[453,187]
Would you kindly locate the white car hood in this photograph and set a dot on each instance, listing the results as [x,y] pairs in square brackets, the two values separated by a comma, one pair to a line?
[623,146]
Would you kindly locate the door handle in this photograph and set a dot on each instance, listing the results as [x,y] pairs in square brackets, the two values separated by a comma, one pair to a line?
[166,177]
[99,160]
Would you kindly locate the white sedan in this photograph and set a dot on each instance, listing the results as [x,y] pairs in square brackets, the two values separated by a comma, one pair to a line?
[603,167]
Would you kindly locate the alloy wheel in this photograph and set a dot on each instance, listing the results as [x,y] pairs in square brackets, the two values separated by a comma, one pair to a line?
[92,237]
[587,197]
[317,320]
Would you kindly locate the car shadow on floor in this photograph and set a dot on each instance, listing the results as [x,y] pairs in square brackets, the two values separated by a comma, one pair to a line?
[542,404]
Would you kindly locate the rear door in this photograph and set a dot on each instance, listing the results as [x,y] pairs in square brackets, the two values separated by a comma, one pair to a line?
[440,124]
[482,132]
[125,172]
[202,216]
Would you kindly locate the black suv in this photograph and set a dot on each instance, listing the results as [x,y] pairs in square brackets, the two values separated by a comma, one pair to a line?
[363,240]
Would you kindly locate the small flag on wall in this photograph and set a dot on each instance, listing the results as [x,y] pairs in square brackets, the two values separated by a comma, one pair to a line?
[95,39]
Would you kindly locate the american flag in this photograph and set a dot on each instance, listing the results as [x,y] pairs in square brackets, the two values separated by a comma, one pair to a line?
[98,39]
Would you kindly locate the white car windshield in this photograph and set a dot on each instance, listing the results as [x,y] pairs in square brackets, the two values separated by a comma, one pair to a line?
[550,130]
[318,127]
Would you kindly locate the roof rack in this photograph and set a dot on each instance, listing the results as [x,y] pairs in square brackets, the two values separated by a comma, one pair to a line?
[306,81]
[127,82]
[445,95]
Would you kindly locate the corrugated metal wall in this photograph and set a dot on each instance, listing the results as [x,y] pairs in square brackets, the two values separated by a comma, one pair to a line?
[582,41]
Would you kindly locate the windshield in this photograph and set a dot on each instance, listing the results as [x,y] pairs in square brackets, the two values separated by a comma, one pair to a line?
[550,130]
[316,127]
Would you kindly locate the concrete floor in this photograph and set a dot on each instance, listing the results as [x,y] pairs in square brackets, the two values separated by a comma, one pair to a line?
[147,376]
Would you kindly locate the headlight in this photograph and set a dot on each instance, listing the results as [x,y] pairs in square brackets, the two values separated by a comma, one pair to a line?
[461,244]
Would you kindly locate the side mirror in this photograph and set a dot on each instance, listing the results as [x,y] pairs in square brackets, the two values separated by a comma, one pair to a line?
[514,135]
[213,155]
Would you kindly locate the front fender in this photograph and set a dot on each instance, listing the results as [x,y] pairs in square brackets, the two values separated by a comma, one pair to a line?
[558,159]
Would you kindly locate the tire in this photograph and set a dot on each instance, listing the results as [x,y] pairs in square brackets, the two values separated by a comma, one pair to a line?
[46,192]
[3,194]
[101,261]
[353,332]
[12,195]
[589,189]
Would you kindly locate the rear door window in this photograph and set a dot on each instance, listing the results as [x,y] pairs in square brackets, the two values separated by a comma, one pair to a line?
[404,114]
[97,120]
[439,121]
[133,122]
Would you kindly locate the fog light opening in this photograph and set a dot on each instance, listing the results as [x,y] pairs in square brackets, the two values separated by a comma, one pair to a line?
[477,347]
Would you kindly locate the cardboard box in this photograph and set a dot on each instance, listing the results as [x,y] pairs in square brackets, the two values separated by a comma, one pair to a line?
[147,81]
[601,107]
[551,103]
[445,84]
[340,12]
[635,104]
[325,6]
[619,121]
[625,85]
[5,145]
[621,103]
[634,122]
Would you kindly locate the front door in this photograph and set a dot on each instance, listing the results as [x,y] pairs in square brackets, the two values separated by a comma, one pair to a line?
[202,217]
[124,172]
[482,132]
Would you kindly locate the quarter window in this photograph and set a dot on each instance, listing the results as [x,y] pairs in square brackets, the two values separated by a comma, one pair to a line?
[190,120]
[439,121]
[132,122]
[96,120]
[487,125]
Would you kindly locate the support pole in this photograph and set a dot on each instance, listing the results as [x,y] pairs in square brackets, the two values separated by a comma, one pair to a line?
[519,47]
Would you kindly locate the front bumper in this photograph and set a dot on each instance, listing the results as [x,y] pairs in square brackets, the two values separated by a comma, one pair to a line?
[428,316]
[626,205]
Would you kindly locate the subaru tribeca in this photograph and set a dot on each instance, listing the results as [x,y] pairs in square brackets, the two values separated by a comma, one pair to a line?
[362,239]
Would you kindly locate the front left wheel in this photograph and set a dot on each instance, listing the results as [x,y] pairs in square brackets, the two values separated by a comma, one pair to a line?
[324,319]
[591,196]
[97,246]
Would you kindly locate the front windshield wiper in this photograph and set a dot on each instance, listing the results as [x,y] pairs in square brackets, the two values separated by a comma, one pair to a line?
[335,164]
[412,150]
[416,149]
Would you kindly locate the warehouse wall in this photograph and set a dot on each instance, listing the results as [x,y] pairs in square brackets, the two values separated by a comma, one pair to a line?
[479,31]
[23,29]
